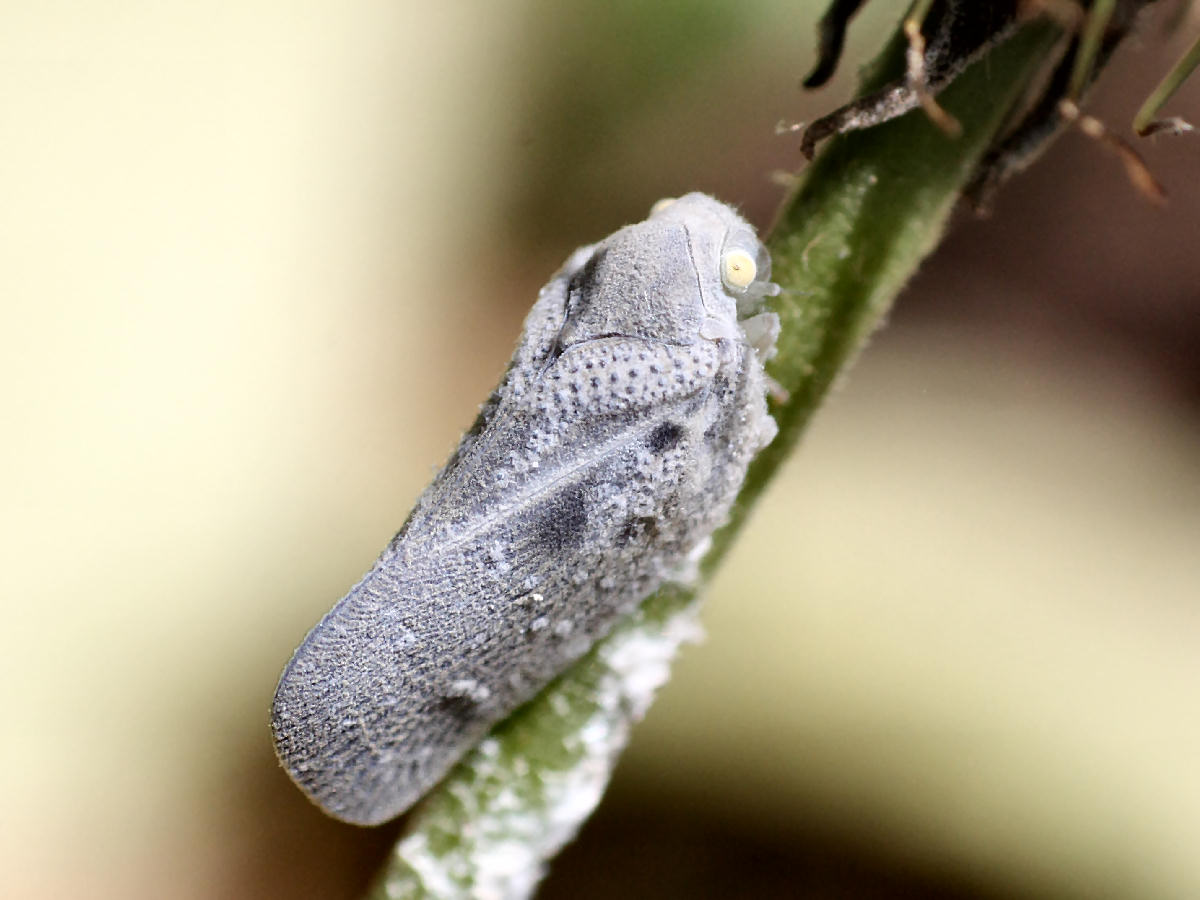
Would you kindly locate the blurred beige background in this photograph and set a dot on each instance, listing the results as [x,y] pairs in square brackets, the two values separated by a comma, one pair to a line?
[259,263]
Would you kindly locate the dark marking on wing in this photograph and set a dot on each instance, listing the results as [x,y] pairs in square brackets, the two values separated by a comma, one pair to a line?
[563,520]
[664,437]
[457,705]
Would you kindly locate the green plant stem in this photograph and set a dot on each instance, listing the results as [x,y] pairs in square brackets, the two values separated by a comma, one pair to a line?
[857,226]
[1098,17]
[1166,89]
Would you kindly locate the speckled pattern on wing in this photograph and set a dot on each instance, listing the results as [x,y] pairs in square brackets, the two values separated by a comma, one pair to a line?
[611,450]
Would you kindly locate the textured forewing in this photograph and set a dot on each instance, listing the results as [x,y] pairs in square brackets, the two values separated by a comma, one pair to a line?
[439,640]
[598,469]
[364,715]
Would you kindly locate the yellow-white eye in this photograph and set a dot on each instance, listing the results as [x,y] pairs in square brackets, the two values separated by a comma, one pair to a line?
[739,268]
[660,205]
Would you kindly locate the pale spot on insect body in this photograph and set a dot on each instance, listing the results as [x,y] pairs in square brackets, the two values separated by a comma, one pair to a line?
[469,690]
[661,205]
[563,627]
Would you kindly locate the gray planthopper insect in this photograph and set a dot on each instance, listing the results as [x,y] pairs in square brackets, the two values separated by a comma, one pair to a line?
[597,470]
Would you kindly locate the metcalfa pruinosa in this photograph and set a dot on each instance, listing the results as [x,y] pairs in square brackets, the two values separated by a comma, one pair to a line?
[598,469]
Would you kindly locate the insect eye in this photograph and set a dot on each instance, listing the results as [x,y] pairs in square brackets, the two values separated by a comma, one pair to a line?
[738,269]
[660,205]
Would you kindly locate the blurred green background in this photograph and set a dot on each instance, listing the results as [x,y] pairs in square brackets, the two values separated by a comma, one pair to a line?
[259,263]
